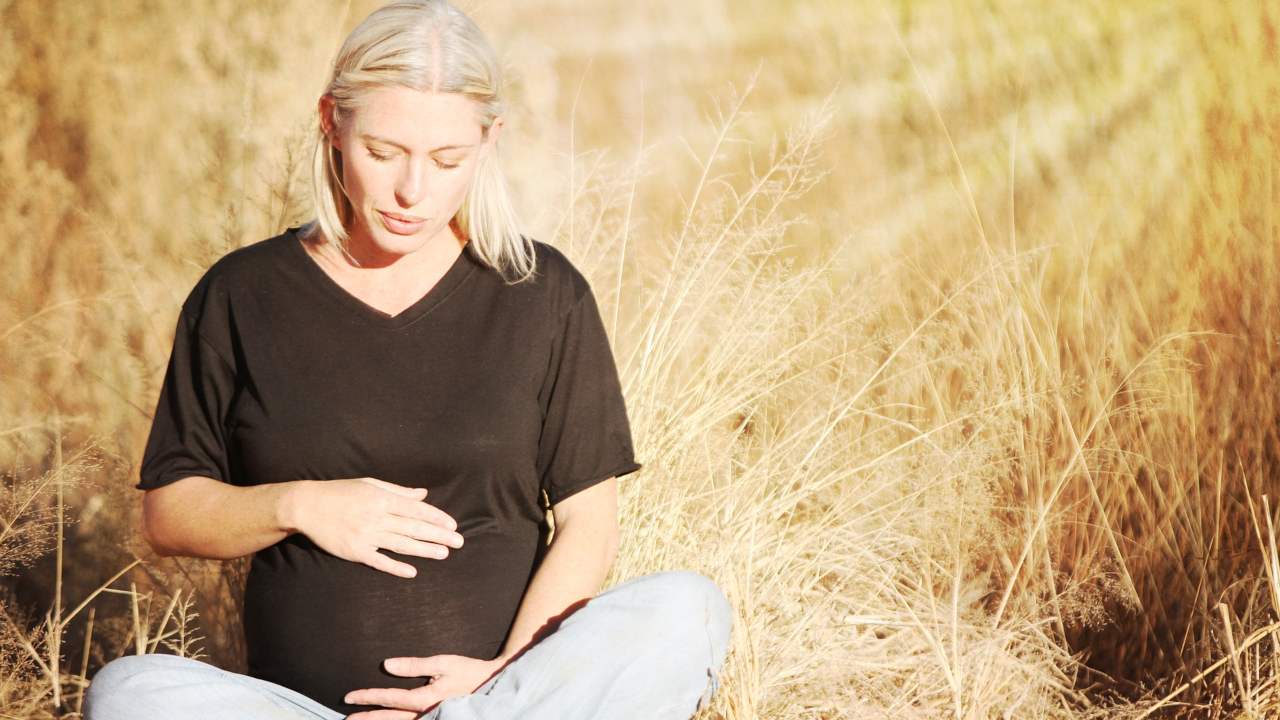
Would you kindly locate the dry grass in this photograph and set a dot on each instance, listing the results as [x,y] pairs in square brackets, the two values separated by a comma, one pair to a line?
[948,331]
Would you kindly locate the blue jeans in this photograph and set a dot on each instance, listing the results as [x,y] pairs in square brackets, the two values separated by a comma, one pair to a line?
[651,647]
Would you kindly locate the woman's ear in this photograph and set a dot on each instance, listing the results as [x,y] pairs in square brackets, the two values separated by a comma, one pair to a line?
[325,107]
[495,128]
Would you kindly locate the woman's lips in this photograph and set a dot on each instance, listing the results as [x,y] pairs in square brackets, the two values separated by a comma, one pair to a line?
[399,225]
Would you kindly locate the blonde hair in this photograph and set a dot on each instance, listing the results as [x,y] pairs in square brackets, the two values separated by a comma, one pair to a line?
[426,45]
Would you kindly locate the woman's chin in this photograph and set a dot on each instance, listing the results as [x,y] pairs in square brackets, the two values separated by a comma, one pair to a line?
[387,242]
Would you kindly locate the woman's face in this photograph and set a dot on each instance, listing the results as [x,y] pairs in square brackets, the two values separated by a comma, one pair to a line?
[408,159]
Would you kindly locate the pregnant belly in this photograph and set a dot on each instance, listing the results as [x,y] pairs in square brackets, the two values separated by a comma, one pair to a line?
[323,626]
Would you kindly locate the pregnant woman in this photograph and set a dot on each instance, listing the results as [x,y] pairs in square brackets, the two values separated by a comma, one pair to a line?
[381,406]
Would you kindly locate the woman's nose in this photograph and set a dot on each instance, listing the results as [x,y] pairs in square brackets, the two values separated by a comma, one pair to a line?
[412,185]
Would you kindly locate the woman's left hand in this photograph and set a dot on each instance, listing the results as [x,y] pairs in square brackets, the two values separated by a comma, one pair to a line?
[452,675]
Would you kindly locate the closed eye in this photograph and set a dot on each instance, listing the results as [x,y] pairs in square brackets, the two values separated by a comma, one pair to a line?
[383,158]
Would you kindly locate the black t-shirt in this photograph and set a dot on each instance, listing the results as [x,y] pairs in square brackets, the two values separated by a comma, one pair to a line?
[500,399]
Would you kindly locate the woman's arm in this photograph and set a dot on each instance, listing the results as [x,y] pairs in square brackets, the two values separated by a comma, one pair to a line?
[351,518]
[202,517]
[575,565]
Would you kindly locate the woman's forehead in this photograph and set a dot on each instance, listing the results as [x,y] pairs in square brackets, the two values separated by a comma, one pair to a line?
[417,119]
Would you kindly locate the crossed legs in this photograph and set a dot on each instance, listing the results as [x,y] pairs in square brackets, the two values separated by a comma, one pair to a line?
[651,647]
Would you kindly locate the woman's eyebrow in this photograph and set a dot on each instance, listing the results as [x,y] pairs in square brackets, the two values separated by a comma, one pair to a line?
[374,138]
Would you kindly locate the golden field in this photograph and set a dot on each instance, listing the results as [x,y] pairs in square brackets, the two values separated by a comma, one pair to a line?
[949,331]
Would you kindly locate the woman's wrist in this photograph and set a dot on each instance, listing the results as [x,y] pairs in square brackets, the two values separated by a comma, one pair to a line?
[290,505]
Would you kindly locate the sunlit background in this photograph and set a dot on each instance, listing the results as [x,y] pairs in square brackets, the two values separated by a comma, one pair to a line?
[949,330]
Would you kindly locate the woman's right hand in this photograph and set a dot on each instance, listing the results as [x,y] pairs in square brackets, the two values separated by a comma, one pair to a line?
[353,518]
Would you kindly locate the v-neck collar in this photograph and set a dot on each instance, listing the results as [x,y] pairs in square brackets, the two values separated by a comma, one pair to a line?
[458,272]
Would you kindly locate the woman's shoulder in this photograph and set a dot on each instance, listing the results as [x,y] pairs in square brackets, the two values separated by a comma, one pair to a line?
[558,276]
[255,257]
[237,270]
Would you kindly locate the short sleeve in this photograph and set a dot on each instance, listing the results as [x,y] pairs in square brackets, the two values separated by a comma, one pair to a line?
[586,435]
[188,434]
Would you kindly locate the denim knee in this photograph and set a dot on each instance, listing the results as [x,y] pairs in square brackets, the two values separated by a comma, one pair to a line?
[694,606]
[105,698]
[689,602]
